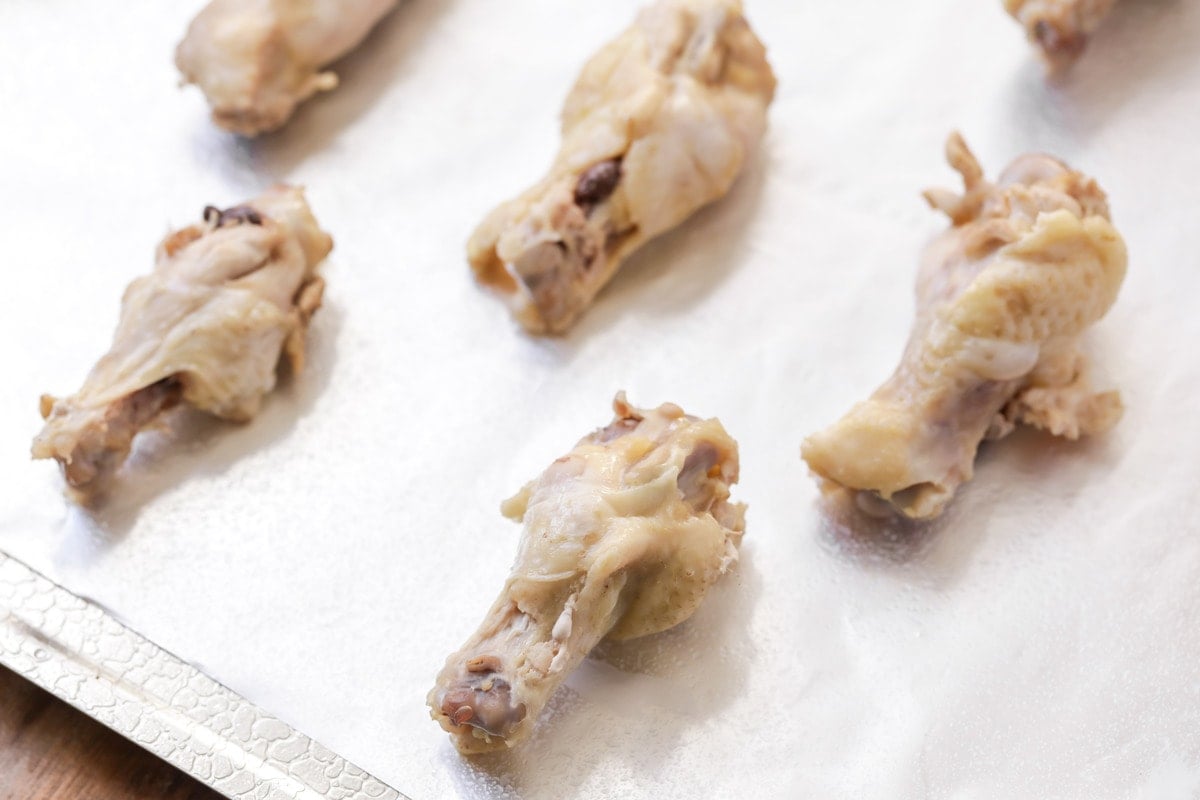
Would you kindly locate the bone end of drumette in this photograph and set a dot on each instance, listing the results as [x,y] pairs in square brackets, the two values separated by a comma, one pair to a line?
[90,442]
[476,705]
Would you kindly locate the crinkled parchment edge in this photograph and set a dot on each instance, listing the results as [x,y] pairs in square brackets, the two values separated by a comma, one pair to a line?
[82,655]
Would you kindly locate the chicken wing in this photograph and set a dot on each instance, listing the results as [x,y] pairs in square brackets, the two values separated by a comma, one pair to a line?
[659,124]
[256,60]
[206,327]
[1002,299]
[1060,28]
[623,536]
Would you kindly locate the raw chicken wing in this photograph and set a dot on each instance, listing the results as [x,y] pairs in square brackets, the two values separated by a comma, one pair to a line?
[206,327]
[623,536]
[659,124]
[1060,28]
[1002,300]
[256,60]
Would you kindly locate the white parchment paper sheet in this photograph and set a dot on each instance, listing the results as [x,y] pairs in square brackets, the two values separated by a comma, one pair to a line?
[1039,641]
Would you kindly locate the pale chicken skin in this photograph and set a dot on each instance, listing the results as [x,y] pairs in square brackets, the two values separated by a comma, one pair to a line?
[1002,299]
[622,538]
[660,123]
[207,327]
[1059,28]
[256,60]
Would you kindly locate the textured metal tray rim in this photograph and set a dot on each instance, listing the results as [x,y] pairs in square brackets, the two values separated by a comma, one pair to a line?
[82,655]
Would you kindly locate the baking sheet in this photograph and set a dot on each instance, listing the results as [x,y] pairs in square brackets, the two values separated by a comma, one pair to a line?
[1039,640]
[80,654]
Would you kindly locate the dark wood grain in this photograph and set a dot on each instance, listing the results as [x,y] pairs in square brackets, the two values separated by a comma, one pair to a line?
[50,751]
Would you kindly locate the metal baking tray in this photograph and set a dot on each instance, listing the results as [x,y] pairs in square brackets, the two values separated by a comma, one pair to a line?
[320,563]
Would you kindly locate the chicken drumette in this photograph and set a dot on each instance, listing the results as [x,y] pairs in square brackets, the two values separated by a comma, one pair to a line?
[1060,28]
[623,536]
[659,124]
[256,60]
[1002,300]
[207,327]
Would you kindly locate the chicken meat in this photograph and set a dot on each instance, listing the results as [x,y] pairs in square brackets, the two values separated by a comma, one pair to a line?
[623,537]
[1003,297]
[1059,28]
[207,327]
[660,123]
[256,60]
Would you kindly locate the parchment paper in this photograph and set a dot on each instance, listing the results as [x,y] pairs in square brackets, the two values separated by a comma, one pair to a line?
[1040,640]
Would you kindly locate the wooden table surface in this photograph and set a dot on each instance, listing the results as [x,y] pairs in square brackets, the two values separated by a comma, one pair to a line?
[48,750]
